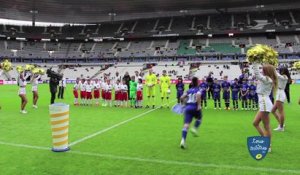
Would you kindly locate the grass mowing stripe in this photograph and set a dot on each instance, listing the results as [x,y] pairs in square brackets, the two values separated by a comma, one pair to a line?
[169,162]
[112,127]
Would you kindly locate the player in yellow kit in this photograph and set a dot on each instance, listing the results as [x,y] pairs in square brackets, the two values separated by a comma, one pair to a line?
[165,83]
[151,81]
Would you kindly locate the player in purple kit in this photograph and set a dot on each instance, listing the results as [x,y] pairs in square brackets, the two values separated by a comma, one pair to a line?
[253,98]
[204,88]
[179,88]
[216,92]
[226,92]
[192,110]
[235,89]
[245,94]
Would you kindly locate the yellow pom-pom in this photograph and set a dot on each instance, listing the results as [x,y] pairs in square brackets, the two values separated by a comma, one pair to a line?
[6,65]
[29,67]
[19,69]
[296,65]
[262,54]
[38,71]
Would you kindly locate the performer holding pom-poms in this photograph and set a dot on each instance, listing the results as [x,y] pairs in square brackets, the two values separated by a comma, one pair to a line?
[297,67]
[267,81]
[22,88]
[37,73]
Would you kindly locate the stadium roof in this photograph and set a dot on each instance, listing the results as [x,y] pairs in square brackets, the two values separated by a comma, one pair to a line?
[83,11]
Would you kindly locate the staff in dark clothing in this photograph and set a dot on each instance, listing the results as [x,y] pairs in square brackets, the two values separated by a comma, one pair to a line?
[287,87]
[210,82]
[53,83]
[127,79]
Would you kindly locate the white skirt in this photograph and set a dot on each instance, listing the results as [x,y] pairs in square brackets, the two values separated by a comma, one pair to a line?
[280,95]
[265,104]
[34,88]
[22,91]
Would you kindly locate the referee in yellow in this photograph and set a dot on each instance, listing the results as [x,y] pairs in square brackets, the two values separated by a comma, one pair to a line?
[165,83]
[151,81]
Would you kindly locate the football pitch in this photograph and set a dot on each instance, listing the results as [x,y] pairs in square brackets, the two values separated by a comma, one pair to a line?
[109,140]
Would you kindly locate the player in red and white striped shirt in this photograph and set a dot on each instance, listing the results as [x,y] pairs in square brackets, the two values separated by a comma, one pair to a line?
[75,91]
[139,94]
[89,88]
[124,96]
[82,92]
[103,91]
[97,87]
[108,90]
[118,93]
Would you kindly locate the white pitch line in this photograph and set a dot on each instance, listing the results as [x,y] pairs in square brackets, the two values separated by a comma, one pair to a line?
[112,127]
[166,162]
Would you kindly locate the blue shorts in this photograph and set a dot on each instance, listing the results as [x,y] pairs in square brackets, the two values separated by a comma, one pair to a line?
[226,95]
[179,94]
[191,112]
[217,96]
[203,96]
[246,97]
[235,96]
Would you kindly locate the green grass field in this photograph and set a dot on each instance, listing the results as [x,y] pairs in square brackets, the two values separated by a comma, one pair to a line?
[139,141]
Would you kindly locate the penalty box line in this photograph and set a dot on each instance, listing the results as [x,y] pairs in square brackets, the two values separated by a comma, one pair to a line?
[112,127]
[160,161]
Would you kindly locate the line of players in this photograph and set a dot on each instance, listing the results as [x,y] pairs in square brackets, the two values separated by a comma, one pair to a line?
[245,91]
[89,93]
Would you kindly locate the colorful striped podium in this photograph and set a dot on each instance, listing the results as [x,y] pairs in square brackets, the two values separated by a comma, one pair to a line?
[59,113]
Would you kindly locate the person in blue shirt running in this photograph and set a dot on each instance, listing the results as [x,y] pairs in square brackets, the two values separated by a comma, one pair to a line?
[235,89]
[192,99]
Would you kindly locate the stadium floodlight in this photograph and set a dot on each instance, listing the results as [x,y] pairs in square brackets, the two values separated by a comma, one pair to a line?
[230,34]
[112,14]
[21,39]
[183,11]
[45,39]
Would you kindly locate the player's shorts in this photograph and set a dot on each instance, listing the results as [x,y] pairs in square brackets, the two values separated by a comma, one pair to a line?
[246,97]
[96,94]
[22,91]
[151,91]
[108,95]
[265,104]
[179,94]
[83,94]
[34,88]
[103,94]
[203,95]
[75,93]
[165,93]
[216,96]
[139,95]
[235,96]
[118,95]
[226,95]
[280,96]
[191,112]
[124,96]
[251,96]
[89,95]
[132,94]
